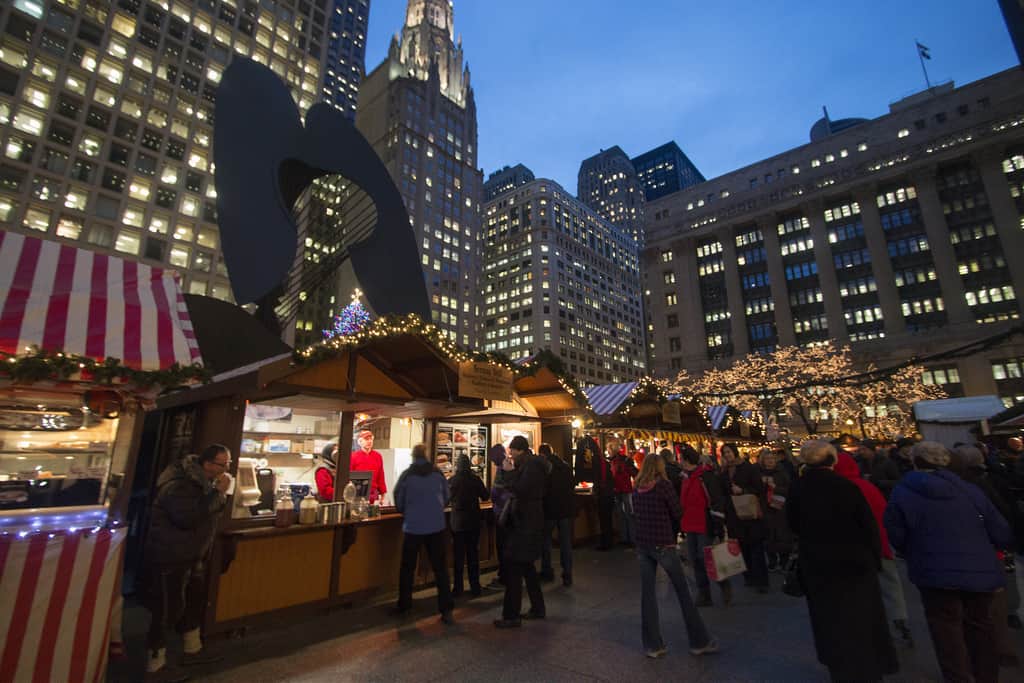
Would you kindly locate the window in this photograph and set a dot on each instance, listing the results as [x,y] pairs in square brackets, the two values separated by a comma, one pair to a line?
[669,277]
[128,242]
[666,256]
[671,299]
[672,320]
[69,228]
[37,219]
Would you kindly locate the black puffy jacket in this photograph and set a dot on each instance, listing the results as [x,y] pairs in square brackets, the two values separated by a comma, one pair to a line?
[559,499]
[467,492]
[184,515]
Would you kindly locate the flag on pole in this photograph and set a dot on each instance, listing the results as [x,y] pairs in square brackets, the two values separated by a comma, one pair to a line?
[923,51]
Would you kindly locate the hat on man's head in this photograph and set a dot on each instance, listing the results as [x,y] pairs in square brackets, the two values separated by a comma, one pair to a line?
[931,453]
[365,434]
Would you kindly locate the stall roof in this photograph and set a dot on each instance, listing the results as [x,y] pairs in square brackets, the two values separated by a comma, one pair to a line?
[79,302]
[605,399]
[546,394]
[1010,417]
[958,410]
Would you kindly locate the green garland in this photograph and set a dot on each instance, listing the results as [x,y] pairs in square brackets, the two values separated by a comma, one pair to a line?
[44,366]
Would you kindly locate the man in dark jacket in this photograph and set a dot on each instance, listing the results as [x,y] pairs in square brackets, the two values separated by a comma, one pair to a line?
[189,500]
[526,480]
[877,468]
[499,498]
[840,556]
[948,531]
[421,495]
[467,490]
[559,511]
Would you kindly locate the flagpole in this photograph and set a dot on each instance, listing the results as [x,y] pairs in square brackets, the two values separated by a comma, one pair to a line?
[920,56]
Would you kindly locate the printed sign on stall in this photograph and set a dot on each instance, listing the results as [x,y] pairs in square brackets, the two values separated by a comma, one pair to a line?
[485,380]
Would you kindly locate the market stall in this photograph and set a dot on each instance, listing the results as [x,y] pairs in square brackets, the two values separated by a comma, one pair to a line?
[86,341]
[397,379]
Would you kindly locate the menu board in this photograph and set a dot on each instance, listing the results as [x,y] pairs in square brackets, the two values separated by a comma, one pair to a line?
[454,441]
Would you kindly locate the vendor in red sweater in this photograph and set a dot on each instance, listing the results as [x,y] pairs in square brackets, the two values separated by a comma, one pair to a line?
[368,460]
[324,474]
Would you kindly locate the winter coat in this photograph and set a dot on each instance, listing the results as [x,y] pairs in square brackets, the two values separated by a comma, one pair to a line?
[585,464]
[421,495]
[880,471]
[675,476]
[747,476]
[948,531]
[698,510]
[839,562]
[780,538]
[846,467]
[184,515]
[560,497]
[324,477]
[525,531]
[499,494]
[656,511]
[467,490]
[623,471]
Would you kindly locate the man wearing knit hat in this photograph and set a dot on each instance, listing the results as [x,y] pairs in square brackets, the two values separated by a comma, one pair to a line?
[948,531]
[368,460]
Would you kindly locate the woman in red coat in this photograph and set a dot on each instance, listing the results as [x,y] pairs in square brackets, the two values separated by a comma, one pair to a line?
[888,578]
[703,502]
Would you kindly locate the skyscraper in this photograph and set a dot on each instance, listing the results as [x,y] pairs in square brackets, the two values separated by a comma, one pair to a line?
[557,276]
[664,170]
[345,65]
[609,185]
[504,179]
[417,110]
[106,119]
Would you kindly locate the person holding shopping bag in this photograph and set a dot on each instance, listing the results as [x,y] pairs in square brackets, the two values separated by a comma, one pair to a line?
[656,509]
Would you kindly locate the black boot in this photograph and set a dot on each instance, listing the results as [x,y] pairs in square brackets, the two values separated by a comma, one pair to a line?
[704,598]
[726,587]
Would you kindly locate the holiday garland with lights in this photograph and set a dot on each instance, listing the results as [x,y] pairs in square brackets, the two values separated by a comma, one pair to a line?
[46,366]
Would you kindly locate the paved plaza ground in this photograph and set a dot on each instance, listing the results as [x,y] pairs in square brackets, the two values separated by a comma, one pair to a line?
[592,633]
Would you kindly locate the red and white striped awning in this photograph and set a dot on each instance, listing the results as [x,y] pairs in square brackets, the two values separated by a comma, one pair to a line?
[74,301]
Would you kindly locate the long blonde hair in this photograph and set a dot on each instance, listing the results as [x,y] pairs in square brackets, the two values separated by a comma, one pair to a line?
[652,470]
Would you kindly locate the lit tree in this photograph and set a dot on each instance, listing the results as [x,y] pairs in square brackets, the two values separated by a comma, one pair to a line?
[350,320]
[884,408]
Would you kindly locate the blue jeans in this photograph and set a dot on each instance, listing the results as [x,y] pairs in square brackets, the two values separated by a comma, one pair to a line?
[565,546]
[624,504]
[650,557]
[695,544]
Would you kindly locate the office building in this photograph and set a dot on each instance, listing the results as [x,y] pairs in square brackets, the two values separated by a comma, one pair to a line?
[558,276]
[106,118]
[505,179]
[417,110]
[664,170]
[609,185]
[901,236]
[345,63]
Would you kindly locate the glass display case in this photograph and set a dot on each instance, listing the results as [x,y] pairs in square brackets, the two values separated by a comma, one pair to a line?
[54,452]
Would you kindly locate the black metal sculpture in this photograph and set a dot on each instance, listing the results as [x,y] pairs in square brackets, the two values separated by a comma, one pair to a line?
[265,159]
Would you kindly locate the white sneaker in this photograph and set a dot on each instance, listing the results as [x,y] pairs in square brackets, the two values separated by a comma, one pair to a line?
[655,654]
[710,648]
[157,660]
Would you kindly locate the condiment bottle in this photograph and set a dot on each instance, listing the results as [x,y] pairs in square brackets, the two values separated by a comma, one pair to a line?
[307,509]
[284,510]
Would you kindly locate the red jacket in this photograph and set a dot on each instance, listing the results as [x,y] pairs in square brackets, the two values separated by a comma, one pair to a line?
[362,461]
[623,470]
[325,484]
[847,467]
[694,501]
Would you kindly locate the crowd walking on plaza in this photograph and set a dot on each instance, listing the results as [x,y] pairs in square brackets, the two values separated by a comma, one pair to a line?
[837,522]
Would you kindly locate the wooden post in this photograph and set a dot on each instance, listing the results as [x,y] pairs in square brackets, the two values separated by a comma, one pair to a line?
[343,459]
[430,437]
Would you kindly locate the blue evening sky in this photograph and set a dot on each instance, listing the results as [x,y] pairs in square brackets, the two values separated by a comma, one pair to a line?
[732,81]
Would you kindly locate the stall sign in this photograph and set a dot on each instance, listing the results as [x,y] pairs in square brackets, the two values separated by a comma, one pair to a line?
[670,413]
[485,380]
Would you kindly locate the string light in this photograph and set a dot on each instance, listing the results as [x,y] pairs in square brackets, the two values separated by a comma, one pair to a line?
[37,365]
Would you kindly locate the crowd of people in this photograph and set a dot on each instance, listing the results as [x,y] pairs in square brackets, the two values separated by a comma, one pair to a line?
[837,520]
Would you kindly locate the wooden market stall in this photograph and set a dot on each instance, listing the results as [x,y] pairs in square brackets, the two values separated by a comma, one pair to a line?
[86,341]
[279,414]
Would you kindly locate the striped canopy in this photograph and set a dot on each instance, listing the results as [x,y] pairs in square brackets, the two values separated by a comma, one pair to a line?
[74,301]
[605,399]
[716,415]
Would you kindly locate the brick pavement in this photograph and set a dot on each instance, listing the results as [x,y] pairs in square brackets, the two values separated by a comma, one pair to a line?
[592,633]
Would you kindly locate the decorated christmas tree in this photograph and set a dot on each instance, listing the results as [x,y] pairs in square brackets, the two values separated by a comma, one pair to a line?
[350,320]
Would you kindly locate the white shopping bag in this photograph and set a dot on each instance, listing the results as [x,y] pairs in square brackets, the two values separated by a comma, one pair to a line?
[724,560]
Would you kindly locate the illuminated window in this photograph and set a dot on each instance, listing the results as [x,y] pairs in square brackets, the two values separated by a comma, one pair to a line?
[37,219]
[76,199]
[37,95]
[143,62]
[183,232]
[904,132]
[69,228]
[28,122]
[133,217]
[106,97]
[6,208]
[124,25]
[13,56]
[74,84]
[131,108]
[128,242]
[190,205]
[139,189]
[179,256]
[158,225]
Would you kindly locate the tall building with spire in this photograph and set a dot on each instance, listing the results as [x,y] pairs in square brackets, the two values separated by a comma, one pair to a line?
[417,110]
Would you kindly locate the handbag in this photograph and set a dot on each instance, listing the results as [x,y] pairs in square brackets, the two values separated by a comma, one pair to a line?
[791,584]
[747,506]
[506,518]
[724,559]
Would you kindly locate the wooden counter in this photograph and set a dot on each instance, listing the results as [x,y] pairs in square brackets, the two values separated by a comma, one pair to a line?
[276,572]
